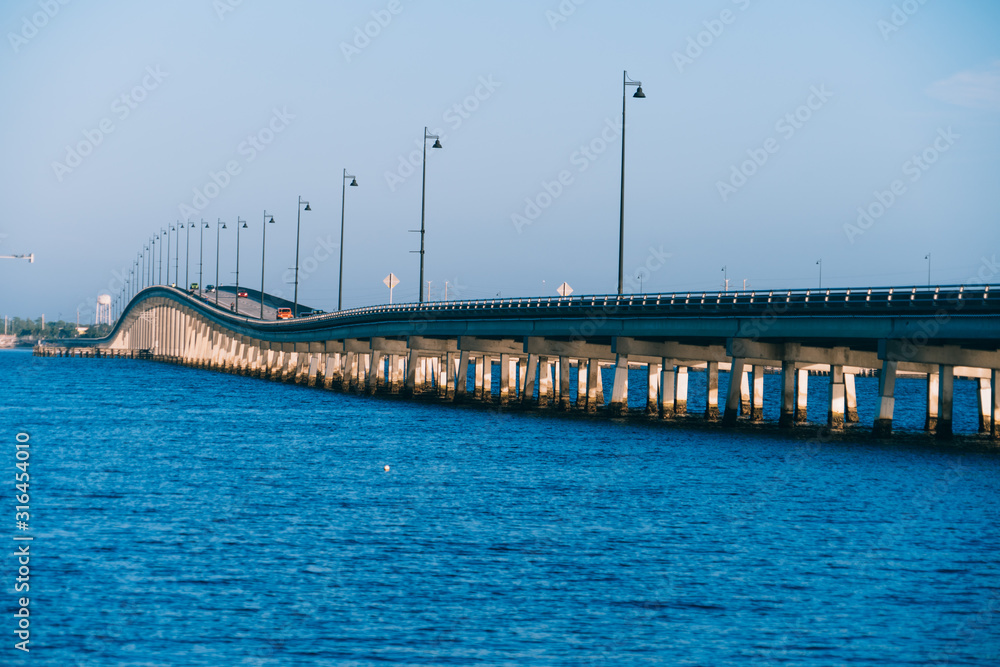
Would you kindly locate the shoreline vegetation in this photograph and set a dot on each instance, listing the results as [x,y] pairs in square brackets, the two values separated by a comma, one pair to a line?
[21,332]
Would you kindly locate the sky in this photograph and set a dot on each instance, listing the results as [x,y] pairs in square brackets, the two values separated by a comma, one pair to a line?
[782,144]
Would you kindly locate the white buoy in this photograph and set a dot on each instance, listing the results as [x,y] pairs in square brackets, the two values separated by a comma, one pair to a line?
[387,468]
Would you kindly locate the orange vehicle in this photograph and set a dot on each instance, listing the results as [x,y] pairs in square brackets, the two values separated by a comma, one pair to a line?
[284,313]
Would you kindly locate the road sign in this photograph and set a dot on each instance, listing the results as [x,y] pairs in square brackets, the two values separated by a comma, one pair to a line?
[565,289]
[391,281]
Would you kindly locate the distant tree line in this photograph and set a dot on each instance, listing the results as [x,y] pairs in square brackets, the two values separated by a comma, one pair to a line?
[26,328]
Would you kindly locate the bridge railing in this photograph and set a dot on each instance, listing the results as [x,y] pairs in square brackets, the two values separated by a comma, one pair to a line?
[854,299]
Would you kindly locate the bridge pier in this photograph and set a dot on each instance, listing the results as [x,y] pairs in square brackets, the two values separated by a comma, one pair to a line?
[757,398]
[945,401]
[668,388]
[851,398]
[619,390]
[787,417]
[933,391]
[712,381]
[802,396]
[985,403]
[995,404]
[734,393]
[835,414]
[887,400]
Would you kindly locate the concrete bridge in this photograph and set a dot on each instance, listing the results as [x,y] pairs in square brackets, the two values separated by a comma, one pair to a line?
[448,349]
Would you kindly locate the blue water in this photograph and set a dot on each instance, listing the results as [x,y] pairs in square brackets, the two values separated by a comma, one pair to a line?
[184,517]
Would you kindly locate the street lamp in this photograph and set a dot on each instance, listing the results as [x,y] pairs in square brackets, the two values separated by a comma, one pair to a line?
[298,225]
[621,223]
[201,255]
[819,262]
[187,255]
[169,230]
[423,198]
[343,193]
[220,225]
[163,233]
[263,250]
[928,258]
[177,253]
[238,221]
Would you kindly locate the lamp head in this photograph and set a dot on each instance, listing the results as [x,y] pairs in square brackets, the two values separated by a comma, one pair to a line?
[437,144]
[271,221]
[307,207]
[638,93]
[245,224]
[354,183]
[224,226]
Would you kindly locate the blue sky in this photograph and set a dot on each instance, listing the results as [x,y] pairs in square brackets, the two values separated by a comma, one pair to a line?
[766,127]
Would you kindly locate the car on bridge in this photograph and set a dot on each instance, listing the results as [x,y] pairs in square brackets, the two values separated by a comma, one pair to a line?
[284,314]
[241,294]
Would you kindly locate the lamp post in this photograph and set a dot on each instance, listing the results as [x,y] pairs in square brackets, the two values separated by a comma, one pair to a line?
[263,250]
[169,230]
[928,258]
[423,199]
[187,255]
[152,257]
[819,262]
[621,222]
[177,253]
[298,225]
[725,278]
[343,195]
[237,302]
[163,233]
[201,255]
[220,225]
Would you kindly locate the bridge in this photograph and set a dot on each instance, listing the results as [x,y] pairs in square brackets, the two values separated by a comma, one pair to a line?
[448,349]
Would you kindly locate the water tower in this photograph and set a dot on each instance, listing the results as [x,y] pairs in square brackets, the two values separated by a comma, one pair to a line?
[103,315]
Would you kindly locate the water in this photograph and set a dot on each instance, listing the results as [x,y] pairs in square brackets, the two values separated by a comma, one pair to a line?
[184,517]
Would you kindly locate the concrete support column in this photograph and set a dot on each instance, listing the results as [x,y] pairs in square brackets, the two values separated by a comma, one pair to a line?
[619,390]
[712,408]
[745,406]
[564,402]
[933,393]
[331,367]
[835,414]
[887,400]
[478,377]
[802,396]
[734,395]
[487,378]
[681,392]
[376,372]
[668,386]
[530,370]
[851,399]
[410,384]
[946,401]
[545,388]
[787,417]
[581,384]
[985,403]
[995,403]
[504,378]
[593,375]
[462,376]
[652,389]
[757,395]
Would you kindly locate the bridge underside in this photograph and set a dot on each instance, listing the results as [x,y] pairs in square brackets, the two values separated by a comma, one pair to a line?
[421,351]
